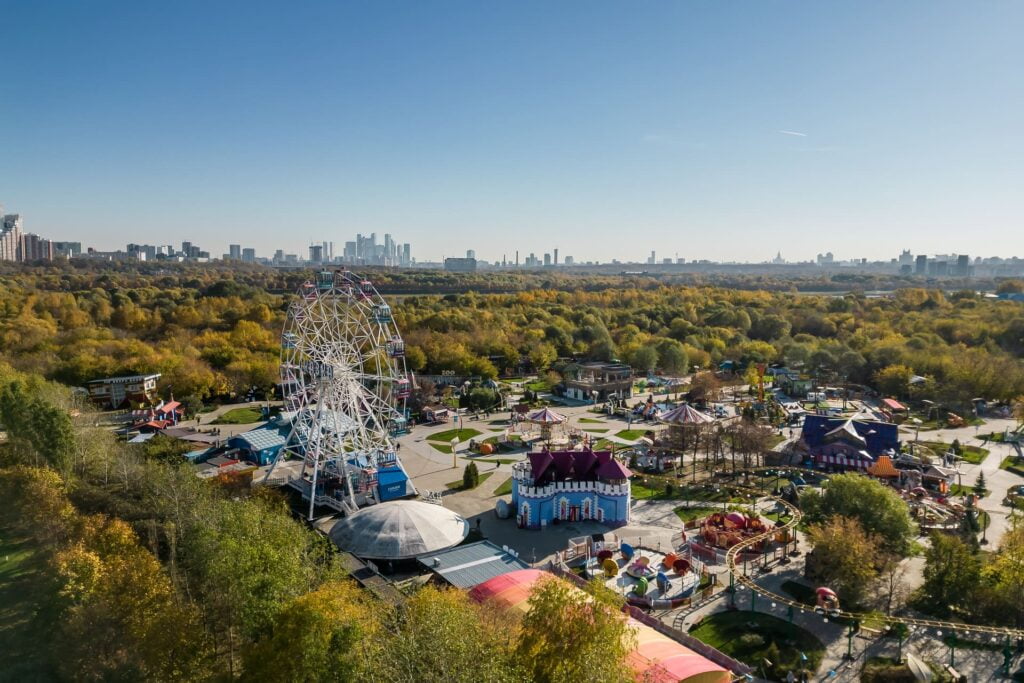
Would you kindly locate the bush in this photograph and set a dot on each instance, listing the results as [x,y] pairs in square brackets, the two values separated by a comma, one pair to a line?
[470,476]
[752,640]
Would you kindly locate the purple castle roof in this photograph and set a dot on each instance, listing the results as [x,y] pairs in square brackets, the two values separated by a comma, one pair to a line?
[576,465]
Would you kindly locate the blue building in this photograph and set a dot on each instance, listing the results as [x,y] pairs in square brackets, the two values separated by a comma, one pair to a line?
[570,486]
[848,443]
[261,445]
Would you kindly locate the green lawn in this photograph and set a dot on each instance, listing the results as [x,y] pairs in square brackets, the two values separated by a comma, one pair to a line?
[449,434]
[240,416]
[689,513]
[596,431]
[777,516]
[495,439]
[971,454]
[590,420]
[630,434]
[1011,464]
[457,485]
[655,488]
[748,636]
[443,447]
[27,614]
[505,488]
[958,490]
[538,385]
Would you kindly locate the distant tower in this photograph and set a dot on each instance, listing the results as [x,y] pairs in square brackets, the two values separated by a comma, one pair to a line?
[556,256]
[517,258]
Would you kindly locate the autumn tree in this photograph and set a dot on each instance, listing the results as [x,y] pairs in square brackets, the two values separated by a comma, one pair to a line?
[1005,573]
[440,636]
[568,634]
[844,556]
[330,634]
[894,380]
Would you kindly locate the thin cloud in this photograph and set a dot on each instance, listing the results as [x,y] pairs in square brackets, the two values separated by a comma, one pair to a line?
[793,132]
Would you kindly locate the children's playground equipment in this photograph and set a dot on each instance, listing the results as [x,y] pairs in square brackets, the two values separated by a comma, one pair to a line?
[724,530]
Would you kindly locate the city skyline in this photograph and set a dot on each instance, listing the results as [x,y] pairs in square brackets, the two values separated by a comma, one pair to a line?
[711,131]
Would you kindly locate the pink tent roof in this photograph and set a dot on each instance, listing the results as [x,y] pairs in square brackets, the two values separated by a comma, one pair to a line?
[546,416]
[685,415]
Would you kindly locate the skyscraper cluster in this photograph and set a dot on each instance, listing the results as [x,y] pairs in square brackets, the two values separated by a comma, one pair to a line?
[365,251]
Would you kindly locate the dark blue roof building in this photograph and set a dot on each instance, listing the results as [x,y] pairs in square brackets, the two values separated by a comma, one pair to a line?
[871,436]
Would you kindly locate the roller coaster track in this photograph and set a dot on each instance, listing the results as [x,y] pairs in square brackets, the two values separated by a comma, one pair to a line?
[796,515]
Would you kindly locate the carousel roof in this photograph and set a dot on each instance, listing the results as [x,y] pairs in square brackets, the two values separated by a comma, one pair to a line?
[399,530]
[546,416]
[685,414]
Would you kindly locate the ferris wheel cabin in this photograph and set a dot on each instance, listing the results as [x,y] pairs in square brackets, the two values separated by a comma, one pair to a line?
[324,280]
[396,347]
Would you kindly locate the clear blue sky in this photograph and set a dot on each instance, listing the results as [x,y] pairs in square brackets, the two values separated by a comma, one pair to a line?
[606,129]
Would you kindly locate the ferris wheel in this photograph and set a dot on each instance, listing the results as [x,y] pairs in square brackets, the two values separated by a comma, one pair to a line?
[345,387]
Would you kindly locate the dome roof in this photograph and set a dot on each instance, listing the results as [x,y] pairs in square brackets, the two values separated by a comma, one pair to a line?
[399,530]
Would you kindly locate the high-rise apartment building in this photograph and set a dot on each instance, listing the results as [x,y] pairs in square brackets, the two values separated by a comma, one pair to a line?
[235,252]
[249,255]
[36,248]
[10,237]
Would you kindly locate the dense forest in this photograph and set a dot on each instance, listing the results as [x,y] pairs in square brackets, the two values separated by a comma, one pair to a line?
[213,331]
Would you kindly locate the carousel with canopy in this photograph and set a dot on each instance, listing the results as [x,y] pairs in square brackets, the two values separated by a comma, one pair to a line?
[345,386]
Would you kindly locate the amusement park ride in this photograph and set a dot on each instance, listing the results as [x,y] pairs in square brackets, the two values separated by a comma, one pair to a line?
[345,387]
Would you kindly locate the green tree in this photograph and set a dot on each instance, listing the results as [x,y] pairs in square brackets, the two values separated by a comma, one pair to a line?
[877,507]
[470,476]
[951,574]
[645,358]
[248,559]
[568,634]
[673,358]
[980,485]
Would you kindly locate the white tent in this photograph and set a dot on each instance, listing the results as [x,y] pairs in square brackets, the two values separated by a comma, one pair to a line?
[399,530]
